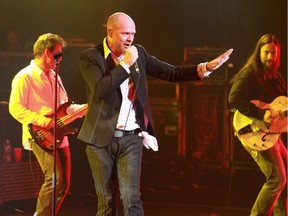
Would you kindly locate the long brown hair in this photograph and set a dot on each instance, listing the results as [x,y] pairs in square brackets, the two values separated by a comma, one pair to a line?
[254,62]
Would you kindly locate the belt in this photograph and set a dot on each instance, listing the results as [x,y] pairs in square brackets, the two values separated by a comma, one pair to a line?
[120,133]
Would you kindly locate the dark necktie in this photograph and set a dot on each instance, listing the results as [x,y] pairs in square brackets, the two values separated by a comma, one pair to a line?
[131,90]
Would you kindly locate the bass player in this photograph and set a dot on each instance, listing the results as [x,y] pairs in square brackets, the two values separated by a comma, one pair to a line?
[31,102]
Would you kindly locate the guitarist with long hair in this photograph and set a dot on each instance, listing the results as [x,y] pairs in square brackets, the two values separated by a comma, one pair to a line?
[257,90]
[32,104]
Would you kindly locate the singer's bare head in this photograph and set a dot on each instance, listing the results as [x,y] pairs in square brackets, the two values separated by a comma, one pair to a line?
[120,32]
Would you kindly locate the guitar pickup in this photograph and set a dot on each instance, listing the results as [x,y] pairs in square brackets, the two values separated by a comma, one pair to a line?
[245,130]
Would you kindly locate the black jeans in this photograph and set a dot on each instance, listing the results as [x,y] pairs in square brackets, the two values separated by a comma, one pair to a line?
[115,168]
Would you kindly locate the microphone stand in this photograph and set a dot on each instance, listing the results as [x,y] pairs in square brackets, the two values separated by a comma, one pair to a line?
[54,197]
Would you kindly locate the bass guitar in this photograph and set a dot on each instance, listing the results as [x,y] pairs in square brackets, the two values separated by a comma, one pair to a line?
[45,137]
[259,135]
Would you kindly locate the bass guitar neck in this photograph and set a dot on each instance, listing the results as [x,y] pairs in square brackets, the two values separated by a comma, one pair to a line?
[45,137]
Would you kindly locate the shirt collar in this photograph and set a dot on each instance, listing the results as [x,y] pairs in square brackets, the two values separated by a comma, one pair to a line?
[38,70]
[107,51]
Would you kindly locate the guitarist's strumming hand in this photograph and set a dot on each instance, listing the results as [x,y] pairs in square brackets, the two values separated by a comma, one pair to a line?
[272,116]
[268,116]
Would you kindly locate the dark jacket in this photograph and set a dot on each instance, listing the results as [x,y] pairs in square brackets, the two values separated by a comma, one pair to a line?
[247,87]
[104,97]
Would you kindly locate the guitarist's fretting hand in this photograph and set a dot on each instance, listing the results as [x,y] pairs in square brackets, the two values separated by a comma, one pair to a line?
[74,107]
[70,109]
[66,114]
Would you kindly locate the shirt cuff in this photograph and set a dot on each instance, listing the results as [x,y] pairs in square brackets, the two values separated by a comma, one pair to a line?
[202,70]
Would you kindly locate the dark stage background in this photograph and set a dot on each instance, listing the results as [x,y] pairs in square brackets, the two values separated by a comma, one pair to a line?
[166,29]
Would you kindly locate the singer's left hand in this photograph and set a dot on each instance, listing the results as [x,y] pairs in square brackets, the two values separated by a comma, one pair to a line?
[217,62]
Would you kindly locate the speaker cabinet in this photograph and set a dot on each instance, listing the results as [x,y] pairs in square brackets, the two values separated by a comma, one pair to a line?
[165,106]
[205,110]
[204,117]
[20,180]
[166,125]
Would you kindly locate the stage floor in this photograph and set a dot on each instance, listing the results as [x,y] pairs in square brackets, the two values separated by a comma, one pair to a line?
[87,206]
[169,191]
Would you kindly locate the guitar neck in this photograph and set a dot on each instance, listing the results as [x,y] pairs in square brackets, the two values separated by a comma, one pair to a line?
[65,120]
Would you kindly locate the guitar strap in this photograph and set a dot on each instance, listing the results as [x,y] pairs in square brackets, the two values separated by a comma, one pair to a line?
[63,89]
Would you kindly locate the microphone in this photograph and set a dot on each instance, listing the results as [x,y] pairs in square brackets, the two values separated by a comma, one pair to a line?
[136,67]
[57,55]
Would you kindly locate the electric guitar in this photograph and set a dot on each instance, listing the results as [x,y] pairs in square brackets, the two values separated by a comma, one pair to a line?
[45,137]
[259,135]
